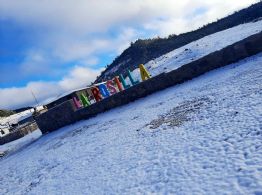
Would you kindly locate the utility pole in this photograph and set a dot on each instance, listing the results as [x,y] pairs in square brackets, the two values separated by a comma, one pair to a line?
[34,97]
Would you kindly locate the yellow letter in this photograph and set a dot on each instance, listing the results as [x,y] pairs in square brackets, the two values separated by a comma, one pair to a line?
[144,73]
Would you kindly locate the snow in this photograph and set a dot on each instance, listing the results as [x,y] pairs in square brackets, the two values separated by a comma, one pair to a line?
[201,137]
[20,143]
[200,48]
[15,118]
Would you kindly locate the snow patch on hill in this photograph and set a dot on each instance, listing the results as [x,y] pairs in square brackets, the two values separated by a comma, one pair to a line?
[15,118]
[200,48]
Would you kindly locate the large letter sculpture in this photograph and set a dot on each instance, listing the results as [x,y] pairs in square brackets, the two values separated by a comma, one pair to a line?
[144,73]
[84,100]
[103,90]
[77,103]
[111,87]
[131,78]
[123,81]
[118,83]
[96,94]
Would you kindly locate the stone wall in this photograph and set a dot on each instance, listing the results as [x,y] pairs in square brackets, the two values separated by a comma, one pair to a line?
[64,114]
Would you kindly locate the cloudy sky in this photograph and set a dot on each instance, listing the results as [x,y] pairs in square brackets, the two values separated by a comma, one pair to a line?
[52,46]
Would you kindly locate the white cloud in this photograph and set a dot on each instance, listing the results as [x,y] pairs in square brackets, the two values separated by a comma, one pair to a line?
[92,61]
[34,62]
[77,30]
[72,48]
[177,22]
[78,77]
[16,97]
[123,41]
[98,16]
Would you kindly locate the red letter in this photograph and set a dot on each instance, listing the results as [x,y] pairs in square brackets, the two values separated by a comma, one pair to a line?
[118,83]
[96,94]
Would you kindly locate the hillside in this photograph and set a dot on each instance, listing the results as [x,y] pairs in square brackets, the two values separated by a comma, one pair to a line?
[200,48]
[16,117]
[143,51]
[6,113]
[201,137]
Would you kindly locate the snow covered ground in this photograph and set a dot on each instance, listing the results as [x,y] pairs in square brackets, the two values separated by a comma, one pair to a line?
[200,48]
[16,145]
[201,137]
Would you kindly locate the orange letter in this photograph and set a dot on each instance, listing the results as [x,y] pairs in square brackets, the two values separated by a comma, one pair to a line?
[118,83]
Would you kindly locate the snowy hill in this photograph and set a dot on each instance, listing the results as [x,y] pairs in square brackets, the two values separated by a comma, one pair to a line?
[142,51]
[201,137]
[200,48]
[15,118]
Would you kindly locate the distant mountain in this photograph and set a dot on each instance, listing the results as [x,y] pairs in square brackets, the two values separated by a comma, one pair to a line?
[6,113]
[143,51]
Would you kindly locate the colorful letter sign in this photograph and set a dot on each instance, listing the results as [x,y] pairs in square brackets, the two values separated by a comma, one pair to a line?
[104,90]
[123,81]
[84,100]
[96,94]
[77,103]
[118,83]
[111,87]
[144,73]
[131,78]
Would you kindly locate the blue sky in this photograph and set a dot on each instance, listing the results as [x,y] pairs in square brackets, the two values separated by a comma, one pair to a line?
[50,47]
